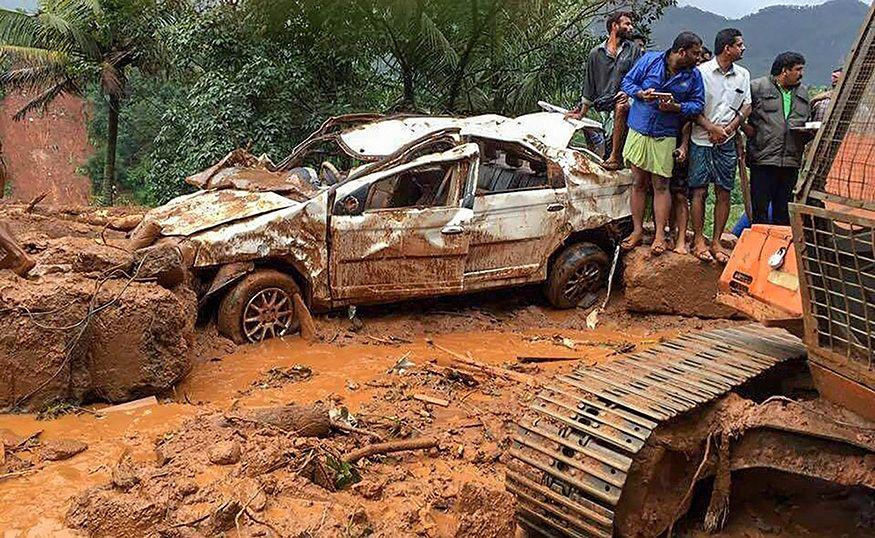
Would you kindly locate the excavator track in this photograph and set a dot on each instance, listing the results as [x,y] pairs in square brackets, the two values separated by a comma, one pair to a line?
[574,447]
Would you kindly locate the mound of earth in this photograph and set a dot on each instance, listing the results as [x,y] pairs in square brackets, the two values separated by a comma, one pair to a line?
[673,284]
[64,336]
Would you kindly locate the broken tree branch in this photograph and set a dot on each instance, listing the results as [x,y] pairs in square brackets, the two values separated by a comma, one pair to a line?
[352,429]
[33,203]
[432,400]
[389,447]
[498,372]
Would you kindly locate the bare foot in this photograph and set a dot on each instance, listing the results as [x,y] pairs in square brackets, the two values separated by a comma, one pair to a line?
[681,248]
[657,247]
[633,240]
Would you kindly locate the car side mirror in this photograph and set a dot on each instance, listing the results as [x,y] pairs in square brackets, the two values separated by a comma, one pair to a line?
[348,205]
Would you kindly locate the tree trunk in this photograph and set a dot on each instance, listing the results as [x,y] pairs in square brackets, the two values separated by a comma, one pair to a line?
[111,141]
[409,98]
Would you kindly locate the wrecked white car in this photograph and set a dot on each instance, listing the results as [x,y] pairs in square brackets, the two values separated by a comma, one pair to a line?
[428,206]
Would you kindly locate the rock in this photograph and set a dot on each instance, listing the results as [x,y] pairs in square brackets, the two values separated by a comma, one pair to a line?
[163,262]
[369,489]
[186,488]
[61,450]
[124,474]
[672,284]
[484,512]
[100,511]
[84,255]
[126,223]
[225,453]
[136,345]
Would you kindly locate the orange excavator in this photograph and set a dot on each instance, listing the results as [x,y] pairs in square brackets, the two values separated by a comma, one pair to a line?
[617,449]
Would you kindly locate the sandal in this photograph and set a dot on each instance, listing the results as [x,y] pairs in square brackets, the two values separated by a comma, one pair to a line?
[721,257]
[704,255]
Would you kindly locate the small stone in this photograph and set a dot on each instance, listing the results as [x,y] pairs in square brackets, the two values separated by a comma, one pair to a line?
[369,489]
[61,449]
[225,453]
[186,488]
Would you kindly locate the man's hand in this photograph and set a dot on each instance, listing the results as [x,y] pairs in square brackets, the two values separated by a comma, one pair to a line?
[574,114]
[717,134]
[621,98]
[669,105]
[680,154]
[647,95]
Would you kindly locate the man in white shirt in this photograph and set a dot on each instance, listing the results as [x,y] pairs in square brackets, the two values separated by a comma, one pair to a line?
[713,155]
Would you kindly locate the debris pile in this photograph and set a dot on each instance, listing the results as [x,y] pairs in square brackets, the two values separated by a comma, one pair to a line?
[405,463]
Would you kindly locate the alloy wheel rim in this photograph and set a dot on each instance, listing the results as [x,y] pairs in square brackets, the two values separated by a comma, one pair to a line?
[268,314]
[585,279]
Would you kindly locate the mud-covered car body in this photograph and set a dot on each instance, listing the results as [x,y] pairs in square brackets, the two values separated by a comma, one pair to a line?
[440,206]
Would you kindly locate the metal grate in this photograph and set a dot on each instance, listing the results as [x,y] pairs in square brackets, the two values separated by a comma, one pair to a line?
[834,219]
[839,261]
[844,159]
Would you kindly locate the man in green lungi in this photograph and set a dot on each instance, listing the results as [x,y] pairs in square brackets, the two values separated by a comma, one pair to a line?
[666,89]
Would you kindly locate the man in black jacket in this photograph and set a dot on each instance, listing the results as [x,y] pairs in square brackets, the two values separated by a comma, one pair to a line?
[606,66]
[776,138]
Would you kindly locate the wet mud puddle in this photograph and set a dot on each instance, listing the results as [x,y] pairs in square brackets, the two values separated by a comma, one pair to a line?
[277,372]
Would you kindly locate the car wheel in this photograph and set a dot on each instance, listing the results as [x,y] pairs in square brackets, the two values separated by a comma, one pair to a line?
[259,307]
[577,276]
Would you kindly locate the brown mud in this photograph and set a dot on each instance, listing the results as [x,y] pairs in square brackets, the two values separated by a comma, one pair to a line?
[203,461]
[44,151]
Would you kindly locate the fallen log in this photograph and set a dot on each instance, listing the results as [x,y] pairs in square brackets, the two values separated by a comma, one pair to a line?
[389,447]
[298,419]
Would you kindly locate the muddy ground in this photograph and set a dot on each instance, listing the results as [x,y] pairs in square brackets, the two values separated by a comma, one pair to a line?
[207,458]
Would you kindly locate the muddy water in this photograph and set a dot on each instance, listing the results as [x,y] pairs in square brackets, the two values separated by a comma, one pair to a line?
[35,504]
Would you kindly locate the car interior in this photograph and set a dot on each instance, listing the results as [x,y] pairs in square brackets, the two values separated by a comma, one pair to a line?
[425,186]
[506,167]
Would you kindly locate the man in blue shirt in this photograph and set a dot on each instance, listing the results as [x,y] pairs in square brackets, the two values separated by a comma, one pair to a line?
[666,89]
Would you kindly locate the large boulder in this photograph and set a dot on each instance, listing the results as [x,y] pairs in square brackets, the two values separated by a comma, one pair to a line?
[672,284]
[134,343]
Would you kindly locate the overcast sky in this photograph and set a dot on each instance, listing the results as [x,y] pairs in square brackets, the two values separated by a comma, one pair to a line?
[739,8]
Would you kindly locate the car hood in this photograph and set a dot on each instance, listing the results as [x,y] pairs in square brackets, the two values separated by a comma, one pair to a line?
[203,210]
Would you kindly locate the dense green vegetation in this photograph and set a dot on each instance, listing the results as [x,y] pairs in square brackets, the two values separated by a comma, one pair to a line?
[203,78]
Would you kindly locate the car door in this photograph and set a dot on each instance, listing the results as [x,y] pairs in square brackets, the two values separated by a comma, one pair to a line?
[519,215]
[402,232]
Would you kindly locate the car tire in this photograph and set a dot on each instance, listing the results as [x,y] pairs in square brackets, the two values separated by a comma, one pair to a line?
[577,276]
[268,291]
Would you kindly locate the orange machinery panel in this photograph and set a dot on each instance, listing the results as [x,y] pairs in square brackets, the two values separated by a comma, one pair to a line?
[761,278]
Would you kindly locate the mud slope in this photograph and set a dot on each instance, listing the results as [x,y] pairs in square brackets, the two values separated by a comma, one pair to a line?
[43,151]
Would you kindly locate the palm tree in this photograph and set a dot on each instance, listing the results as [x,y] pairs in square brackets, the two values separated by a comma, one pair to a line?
[69,44]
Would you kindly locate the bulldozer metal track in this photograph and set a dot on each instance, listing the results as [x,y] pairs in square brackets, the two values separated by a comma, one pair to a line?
[573,449]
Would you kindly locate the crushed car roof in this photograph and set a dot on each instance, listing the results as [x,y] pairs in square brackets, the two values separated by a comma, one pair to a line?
[383,137]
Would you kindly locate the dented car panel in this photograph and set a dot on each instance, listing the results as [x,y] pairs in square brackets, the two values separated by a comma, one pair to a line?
[487,220]
[393,253]
[203,210]
[295,236]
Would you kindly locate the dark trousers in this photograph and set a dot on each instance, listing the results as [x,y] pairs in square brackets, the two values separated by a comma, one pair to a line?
[771,185]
